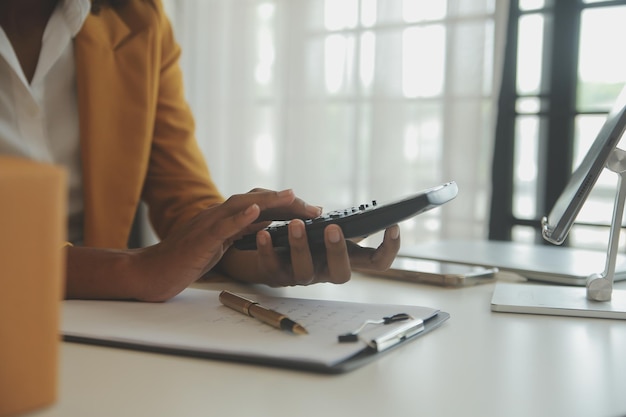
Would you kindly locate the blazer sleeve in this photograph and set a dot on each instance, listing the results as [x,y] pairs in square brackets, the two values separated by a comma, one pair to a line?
[178,184]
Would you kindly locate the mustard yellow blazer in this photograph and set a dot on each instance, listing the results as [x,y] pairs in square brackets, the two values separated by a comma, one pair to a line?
[136,129]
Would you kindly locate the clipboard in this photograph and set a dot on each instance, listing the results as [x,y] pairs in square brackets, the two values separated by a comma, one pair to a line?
[194,323]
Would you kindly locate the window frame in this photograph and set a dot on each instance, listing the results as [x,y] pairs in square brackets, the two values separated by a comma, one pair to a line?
[558,95]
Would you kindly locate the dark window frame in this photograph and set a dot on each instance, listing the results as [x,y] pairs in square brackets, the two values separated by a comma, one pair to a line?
[558,96]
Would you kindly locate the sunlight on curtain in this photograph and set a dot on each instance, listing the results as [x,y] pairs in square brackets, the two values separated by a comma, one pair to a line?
[347,101]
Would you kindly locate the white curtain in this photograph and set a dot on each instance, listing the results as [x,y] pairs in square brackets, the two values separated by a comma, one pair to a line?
[347,101]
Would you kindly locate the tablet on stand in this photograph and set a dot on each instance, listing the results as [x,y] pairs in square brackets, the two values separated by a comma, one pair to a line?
[598,298]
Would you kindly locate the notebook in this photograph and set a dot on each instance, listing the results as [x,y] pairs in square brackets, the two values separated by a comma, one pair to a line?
[195,323]
[554,264]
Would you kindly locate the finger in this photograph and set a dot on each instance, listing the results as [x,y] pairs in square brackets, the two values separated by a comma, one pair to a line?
[381,257]
[338,261]
[253,228]
[301,259]
[232,226]
[387,251]
[269,263]
[297,209]
[264,199]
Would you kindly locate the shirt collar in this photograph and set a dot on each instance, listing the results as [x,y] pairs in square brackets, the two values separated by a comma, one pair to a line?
[75,13]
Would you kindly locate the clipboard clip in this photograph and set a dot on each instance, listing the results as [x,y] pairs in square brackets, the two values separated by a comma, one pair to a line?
[385,341]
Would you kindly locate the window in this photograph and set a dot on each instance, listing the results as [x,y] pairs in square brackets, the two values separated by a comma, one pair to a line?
[348,100]
[563,70]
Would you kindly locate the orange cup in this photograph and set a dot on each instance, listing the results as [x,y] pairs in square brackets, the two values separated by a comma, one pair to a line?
[32,269]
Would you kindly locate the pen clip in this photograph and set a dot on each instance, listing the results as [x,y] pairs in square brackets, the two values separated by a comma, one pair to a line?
[388,339]
[397,335]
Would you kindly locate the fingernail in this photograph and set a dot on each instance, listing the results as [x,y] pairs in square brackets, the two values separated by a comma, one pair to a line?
[285,193]
[261,239]
[395,232]
[296,230]
[333,235]
[315,211]
[250,209]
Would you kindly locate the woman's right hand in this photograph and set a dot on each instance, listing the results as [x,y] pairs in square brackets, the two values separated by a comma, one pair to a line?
[161,271]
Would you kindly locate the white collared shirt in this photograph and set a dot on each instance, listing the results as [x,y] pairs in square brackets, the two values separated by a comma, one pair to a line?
[39,120]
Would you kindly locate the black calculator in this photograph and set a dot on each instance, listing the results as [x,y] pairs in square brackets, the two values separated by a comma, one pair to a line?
[359,221]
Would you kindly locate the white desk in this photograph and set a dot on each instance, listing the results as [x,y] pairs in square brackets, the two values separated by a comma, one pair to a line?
[479,363]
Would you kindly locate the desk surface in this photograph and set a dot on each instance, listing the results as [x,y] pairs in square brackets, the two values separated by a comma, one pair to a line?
[479,363]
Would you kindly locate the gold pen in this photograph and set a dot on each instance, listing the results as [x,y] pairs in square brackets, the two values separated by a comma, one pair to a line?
[264,314]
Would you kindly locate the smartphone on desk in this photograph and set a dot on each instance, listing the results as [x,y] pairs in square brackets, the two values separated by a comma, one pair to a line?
[445,274]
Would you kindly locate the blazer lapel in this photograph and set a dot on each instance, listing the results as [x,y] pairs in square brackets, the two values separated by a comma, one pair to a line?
[113,86]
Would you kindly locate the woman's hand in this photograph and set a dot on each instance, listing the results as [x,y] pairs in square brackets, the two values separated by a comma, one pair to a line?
[302,265]
[161,271]
[197,247]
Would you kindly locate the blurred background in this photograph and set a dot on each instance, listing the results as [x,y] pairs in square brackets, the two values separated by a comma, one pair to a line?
[347,101]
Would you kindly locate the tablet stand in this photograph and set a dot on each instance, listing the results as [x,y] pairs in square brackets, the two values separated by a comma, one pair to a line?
[600,286]
[598,299]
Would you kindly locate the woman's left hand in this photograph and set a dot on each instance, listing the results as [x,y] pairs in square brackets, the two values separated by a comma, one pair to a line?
[303,265]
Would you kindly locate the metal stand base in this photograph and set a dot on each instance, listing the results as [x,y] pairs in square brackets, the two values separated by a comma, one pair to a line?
[598,298]
[556,301]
